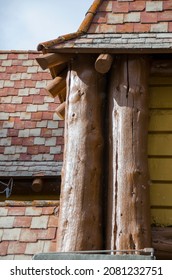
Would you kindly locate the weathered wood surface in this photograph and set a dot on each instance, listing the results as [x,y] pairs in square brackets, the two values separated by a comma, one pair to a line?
[162,242]
[57,85]
[58,69]
[37,184]
[103,63]
[62,95]
[60,111]
[52,59]
[161,67]
[128,198]
[80,221]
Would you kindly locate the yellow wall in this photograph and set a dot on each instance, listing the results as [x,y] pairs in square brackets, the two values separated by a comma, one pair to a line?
[160,149]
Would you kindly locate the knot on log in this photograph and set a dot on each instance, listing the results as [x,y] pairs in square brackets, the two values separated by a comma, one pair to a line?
[76,96]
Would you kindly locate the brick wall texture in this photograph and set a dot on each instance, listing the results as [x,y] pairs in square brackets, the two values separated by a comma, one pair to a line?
[26,230]
[31,134]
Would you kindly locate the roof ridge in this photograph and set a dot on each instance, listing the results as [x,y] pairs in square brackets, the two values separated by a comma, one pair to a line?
[81,30]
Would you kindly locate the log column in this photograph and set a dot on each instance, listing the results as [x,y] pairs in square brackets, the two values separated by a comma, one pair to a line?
[80,222]
[128,225]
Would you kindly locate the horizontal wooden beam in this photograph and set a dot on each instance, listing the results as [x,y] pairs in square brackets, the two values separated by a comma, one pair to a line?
[161,68]
[60,111]
[103,63]
[52,59]
[58,84]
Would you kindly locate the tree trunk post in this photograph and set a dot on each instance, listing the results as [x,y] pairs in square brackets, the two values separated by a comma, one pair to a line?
[80,219]
[128,225]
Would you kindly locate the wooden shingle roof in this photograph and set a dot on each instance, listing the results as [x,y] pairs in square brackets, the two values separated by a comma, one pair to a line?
[120,25]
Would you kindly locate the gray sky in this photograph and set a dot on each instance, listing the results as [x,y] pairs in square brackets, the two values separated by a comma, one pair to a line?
[26,23]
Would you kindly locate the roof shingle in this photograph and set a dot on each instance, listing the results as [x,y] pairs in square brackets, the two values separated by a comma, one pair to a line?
[28,122]
[117,17]
[27,229]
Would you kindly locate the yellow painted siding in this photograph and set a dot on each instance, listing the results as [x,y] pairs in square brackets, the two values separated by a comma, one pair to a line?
[160,149]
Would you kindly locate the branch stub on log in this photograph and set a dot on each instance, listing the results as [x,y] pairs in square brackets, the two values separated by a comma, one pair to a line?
[103,63]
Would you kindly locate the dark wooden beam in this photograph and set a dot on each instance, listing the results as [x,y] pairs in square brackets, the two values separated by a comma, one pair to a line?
[161,67]
[162,242]
[37,184]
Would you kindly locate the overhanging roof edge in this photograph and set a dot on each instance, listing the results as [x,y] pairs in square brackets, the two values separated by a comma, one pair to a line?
[81,30]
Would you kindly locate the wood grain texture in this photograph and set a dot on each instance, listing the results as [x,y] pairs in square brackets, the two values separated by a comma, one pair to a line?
[52,59]
[128,199]
[80,221]
[161,67]
[162,242]
[103,63]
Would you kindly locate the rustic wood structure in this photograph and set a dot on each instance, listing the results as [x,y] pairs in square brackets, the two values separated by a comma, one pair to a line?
[128,186]
[114,66]
[82,181]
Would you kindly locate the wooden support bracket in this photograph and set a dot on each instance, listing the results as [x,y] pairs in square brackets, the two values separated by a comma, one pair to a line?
[57,85]
[103,63]
[60,111]
[52,59]
[62,95]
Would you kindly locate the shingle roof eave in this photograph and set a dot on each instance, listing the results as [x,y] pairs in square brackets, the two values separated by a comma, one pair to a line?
[123,17]
[116,42]
[81,30]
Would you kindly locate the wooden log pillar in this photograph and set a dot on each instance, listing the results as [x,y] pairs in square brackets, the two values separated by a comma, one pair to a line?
[128,225]
[80,220]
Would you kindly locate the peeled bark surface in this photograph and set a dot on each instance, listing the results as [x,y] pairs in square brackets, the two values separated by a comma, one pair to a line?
[128,225]
[80,221]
